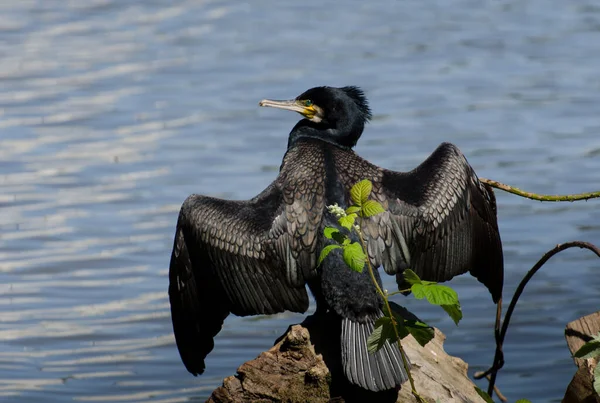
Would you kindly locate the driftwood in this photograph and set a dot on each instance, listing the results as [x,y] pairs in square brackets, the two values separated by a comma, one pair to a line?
[303,366]
[577,333]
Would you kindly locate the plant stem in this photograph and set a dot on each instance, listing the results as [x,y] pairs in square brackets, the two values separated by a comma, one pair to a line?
[535,196]
[389,310]
[398,292]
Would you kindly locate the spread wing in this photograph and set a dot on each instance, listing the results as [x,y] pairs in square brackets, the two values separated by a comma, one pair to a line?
[244,257]
[440,222]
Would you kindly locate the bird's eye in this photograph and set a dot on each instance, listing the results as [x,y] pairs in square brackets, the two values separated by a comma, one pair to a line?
[308,102]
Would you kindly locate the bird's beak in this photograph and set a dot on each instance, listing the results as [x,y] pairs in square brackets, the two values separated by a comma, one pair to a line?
[291,105]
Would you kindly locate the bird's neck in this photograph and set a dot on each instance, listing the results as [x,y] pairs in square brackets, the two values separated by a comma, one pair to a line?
[343,137]
[313,156]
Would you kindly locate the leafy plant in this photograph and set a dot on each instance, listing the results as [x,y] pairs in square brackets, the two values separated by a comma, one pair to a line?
[591,349]
[397,322]
[435,293]
[484,395]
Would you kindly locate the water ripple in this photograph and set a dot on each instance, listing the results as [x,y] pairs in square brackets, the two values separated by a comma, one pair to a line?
[112,112]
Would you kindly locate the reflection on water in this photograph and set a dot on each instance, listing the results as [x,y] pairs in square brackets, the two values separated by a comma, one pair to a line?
[112,112]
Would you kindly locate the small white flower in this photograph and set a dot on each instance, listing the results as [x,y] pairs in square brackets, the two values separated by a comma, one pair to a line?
[337,210]
[357,227]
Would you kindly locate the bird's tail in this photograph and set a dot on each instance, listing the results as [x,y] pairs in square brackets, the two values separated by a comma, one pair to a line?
[377,371]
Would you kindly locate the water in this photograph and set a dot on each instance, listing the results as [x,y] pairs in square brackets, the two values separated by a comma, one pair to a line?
[112,112]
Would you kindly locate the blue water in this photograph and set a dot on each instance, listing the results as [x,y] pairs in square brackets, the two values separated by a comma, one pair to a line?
[112,112]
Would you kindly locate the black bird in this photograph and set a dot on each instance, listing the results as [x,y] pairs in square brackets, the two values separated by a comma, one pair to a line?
[255,257]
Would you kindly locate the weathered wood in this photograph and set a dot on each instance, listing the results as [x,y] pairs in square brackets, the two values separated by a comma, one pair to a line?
[302,367]
[577,333]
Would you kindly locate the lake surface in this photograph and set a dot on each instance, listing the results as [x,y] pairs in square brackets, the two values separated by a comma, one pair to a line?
[112,112]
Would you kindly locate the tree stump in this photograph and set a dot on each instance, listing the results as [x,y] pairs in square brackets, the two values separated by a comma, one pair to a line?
[304,366]
[577,333]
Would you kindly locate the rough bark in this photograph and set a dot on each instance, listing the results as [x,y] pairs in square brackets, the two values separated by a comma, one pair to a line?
[303,366]
[577,333]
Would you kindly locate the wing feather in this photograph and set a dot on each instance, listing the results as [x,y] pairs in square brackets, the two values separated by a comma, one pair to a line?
[227,257]
[442,222]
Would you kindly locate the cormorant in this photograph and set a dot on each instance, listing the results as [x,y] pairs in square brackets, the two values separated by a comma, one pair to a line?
[255,257]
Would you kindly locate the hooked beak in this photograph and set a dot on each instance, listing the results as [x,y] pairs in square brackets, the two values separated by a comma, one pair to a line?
[312,112]
[291,105]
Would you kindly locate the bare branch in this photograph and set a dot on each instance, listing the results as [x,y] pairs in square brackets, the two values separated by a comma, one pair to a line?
[499,356]
[535,196]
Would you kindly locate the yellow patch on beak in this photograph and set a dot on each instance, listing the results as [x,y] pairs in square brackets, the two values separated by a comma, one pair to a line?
[309,111]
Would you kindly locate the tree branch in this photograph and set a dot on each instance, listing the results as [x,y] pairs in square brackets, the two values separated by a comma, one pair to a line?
[498,359]
[535,196]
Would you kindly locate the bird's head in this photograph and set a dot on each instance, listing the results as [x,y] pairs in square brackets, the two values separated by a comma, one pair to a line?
[337,115]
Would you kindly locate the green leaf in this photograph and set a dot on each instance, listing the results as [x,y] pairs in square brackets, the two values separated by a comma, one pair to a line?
[523,401]
[435,293]
[418,290]
[352,209]
[454,312]
[375,340]
[411,277]
[360,192]
[326,250]
[597,379]
[484,395]
[335,234]
[400,328]
[399,311]
[354,256]
[339,237]
[348,221]
[396,313]
[371,207]
[408,323]
[420,331]
[328,232]
[401,314]
[383,331]
[590,349]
